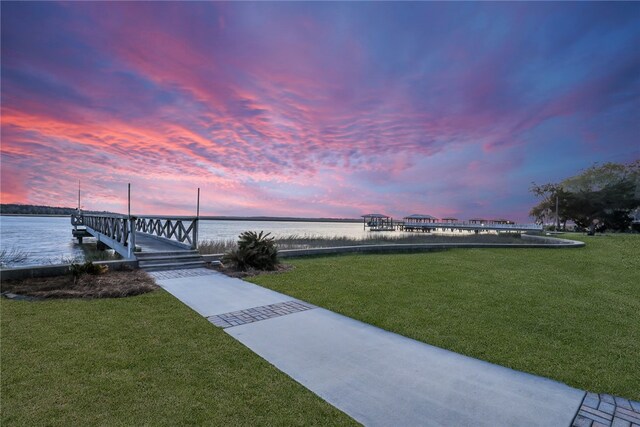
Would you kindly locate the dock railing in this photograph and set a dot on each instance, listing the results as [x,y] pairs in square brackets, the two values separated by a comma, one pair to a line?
[183,230]
[113,229]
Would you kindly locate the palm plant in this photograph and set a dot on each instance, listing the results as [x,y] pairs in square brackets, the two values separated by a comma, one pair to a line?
[255,250]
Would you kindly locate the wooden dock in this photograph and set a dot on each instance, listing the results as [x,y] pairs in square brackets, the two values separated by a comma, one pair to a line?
[428,223]
[380,222]
[466,226]
[156,242]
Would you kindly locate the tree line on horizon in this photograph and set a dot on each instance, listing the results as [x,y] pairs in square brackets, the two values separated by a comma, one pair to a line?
[20,209]
[601,197]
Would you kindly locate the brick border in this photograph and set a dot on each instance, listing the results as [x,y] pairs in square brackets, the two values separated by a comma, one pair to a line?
[180,273]
[604,410]
[256,314]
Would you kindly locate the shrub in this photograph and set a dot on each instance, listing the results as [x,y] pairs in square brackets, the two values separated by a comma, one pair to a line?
[255,250]
[88,267]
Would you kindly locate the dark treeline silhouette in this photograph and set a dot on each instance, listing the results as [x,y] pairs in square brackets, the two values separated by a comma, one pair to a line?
[34,210]
[17,209]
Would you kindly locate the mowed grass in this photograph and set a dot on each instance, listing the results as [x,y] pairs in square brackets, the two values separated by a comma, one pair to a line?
[145,360]
[569,314]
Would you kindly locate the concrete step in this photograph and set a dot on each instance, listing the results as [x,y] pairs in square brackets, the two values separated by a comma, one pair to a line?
[177,258]
[142,255]
[167,262]
[174,266]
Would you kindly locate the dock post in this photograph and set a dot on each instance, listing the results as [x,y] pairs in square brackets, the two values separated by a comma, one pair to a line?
[195,227]
[132,237]
[131,244]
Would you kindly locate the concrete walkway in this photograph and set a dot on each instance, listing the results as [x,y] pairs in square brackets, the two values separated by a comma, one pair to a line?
[377,377]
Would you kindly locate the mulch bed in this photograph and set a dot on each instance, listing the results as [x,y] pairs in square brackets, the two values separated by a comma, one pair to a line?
[114,284]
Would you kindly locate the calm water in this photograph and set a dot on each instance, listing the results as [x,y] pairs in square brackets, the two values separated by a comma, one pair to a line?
[48,240]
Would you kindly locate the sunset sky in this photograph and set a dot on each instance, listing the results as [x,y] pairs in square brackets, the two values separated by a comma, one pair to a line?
[313,109]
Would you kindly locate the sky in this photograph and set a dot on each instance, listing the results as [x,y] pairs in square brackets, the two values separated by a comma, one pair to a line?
[313,109]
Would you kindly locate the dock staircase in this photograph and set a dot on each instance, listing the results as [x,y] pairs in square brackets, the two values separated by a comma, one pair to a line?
[170,260]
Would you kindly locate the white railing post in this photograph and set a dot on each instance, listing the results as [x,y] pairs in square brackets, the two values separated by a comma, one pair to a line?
[132,237]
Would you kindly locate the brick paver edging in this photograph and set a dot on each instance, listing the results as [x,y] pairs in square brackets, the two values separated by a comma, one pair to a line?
[603,410]
[256,314]
[180,273]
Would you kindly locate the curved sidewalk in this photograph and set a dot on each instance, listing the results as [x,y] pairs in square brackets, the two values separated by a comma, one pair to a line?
[376,377]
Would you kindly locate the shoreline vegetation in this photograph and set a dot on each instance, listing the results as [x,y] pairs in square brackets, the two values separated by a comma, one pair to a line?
[311,241]
[12,257]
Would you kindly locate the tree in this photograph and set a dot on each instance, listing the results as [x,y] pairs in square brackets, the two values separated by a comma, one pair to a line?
[546,209]
[603,194]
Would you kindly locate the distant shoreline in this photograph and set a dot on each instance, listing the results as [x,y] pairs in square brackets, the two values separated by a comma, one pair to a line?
[35,215]
[228,218]
[277,219]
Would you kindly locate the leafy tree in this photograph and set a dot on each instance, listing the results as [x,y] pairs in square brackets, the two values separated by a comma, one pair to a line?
[603,194]
[552,195]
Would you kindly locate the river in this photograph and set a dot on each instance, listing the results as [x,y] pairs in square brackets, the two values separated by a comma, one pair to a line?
[47,240]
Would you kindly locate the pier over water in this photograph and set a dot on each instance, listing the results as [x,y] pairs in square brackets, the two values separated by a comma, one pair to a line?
[157,242]
[428,223]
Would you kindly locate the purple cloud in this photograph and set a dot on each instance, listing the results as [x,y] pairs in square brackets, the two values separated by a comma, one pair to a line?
[311,108]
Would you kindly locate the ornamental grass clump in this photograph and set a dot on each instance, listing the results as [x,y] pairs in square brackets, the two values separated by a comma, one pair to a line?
[255,251]
[88,267]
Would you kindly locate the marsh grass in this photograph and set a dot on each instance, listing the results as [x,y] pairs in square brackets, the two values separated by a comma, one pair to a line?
[216,246]
[91,253]
[307,241]
[12,256]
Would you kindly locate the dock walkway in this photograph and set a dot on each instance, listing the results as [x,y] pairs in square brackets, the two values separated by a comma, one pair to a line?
[157,243]
[378,377]
[148,243]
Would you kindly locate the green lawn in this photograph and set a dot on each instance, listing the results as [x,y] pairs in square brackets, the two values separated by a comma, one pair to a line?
[146,360]
[568,314]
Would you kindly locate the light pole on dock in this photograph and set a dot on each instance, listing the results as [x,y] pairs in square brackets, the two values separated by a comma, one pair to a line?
[132,227]
[195,238]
